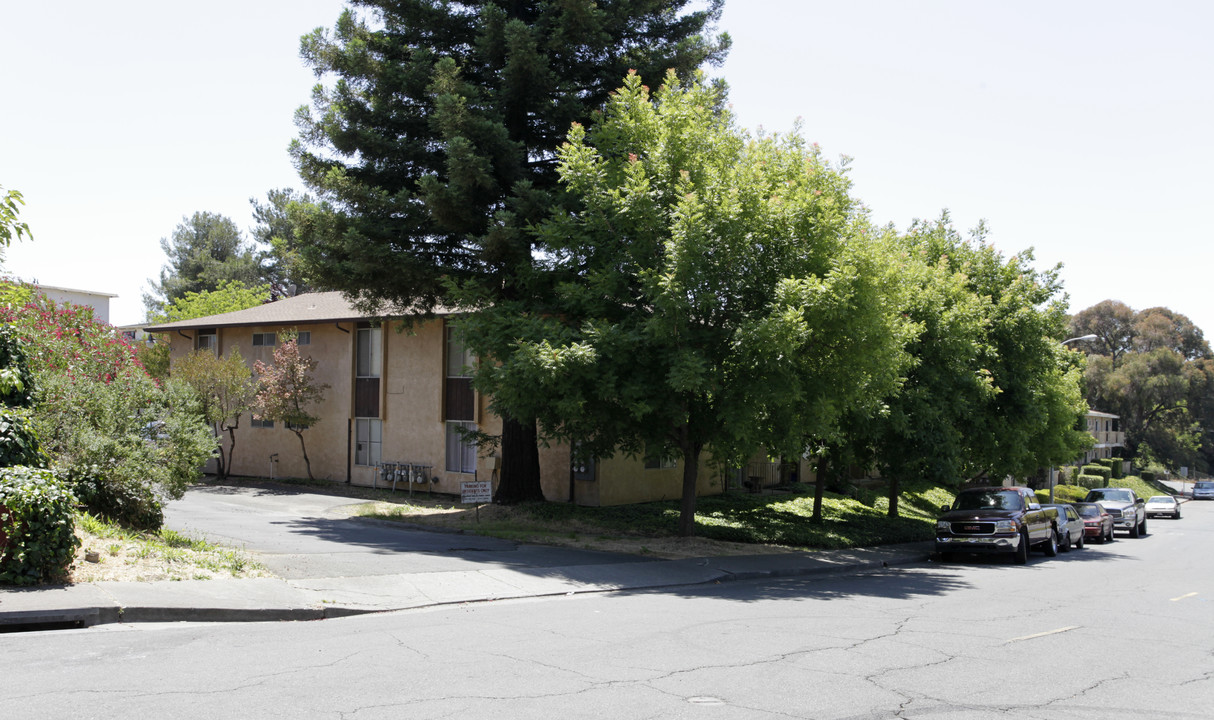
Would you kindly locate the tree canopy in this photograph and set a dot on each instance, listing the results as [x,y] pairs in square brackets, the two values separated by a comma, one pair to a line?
[433,148]
[1153,368]
[716,292]
[204,251]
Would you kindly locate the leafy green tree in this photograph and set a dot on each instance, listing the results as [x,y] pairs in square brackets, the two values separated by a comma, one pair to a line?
[204,251]
[226,390]
[228,296]
[1112,322]
[718,293]
[286,391]
[434,150]
[1159,378]
[990,390]
[11,228]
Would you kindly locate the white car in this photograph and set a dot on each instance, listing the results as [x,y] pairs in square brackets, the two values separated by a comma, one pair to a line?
[1163,505]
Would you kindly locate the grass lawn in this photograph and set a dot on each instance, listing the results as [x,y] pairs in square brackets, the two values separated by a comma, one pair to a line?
[778,520]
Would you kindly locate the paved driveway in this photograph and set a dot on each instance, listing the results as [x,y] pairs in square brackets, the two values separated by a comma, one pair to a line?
[304,535]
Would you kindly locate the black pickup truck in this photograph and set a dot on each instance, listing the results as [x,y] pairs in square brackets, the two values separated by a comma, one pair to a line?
[996,520]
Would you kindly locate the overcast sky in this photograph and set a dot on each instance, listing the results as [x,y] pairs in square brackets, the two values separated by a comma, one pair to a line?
[1080,129]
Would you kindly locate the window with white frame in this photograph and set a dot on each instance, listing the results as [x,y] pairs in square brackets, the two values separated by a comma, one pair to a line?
[461,448]
[368,441]
[207,340]
[265,339]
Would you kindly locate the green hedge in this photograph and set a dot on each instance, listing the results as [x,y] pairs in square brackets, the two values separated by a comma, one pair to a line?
[36,518]
[1098,470]
[1092,481]
[1114,465]
[1147,476]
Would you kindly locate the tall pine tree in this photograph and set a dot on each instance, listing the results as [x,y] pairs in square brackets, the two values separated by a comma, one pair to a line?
[433,149]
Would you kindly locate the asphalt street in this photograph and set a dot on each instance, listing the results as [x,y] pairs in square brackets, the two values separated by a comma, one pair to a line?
[1119,630]
[301,535]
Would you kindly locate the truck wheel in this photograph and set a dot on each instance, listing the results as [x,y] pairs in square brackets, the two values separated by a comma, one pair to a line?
[1142,527]
[1021,556]
[1051,545]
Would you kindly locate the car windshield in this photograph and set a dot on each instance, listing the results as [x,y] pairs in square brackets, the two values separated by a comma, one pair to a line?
[1160,500]
[1092,510]
[997,499]
[1112,496]
[1204,486]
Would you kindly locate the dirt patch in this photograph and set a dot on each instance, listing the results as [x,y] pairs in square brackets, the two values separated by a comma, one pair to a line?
[134,560]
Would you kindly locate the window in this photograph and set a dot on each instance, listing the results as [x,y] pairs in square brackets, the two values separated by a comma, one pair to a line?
[368,441]
[655,461]
[207,339]
[370,352]
[265,339]
[368,363]
[303,338]
[461,449]
[459,399]
[262,423]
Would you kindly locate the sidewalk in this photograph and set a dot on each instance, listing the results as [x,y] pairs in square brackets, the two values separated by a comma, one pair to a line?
[264,599]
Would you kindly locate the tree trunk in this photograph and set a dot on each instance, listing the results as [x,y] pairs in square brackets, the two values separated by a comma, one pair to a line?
[820,485]
[227,466]
[894,489]
[221,465]
[520,469]
[307,463]
[687,508]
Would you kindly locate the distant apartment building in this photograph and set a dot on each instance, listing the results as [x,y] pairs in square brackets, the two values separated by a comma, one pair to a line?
[98,301]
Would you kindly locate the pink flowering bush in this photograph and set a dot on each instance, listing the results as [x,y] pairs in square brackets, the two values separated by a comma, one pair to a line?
[126,442]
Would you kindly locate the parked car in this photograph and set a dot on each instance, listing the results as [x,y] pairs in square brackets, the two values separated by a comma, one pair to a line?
[1203,490]
[1070,527]
[1097,522]
[1161,505]
[1125,507]
[1004,520]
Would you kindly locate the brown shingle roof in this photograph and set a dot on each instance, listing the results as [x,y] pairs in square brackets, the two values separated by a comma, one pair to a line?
[303,309]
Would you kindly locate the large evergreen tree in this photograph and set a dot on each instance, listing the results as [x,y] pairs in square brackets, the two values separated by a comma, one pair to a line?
[434,148]
[205,250]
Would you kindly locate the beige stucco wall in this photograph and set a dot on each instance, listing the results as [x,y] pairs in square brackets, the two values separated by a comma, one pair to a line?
[622,480]
[411,398]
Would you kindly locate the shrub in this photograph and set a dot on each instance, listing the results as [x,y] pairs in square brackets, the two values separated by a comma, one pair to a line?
[18,443]
[16,380]
[117,499]
[127,445]
[1092,482]
[1147,476]
[1070,493]
[37,522]
[1099,470]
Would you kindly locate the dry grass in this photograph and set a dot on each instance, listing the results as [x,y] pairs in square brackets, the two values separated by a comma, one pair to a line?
[124,555]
